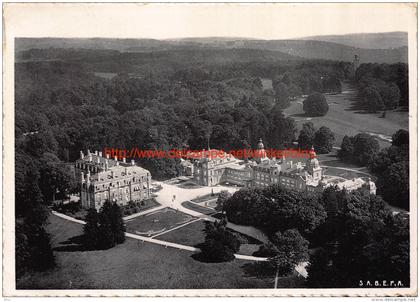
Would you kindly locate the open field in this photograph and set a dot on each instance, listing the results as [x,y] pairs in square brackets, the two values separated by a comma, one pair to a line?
[137,265]
[342,119]
[157,222]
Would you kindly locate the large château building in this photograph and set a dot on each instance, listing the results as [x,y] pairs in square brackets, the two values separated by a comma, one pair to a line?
[306,175]
[102,179]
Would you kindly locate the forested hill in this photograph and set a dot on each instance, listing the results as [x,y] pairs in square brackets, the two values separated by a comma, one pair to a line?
[311,49]
[332,51]
[184,54]
[386,40]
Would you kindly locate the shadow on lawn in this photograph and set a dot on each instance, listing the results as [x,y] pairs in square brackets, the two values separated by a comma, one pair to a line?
[73,244]
[259,269]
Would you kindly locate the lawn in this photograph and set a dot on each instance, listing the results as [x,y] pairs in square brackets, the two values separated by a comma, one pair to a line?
[343,173]
[197,208]
[135,265]
[342,119]
[156,222]
[191,234]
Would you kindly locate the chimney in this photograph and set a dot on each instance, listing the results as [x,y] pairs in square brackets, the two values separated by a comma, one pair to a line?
[81,154]
[100,153]
[124,160]
[133,163]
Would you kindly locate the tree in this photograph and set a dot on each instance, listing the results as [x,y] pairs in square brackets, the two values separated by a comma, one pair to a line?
[91,230]
[323,141]
[221,200]
[401,138]
[42,255]
[390,94]
[306,136]
[105,229]
[220,244]
[365,148]
[117,223]
[275,208]
[332,85]
[372,100]
[291,249]
[361,149]
[394,184]
[347,149]
[315,105]
[29,203]
[107,238]
[360,240]
[282,129]
[33,248]
[282,95]
[319,270]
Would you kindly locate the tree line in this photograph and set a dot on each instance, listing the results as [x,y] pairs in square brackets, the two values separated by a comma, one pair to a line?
[390,165]
[353,235]
[382,86]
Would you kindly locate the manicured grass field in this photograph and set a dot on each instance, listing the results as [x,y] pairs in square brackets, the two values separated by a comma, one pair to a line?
[198,208]
[136,265]
[342,173]
[157,221]
[342,119]
[191,234]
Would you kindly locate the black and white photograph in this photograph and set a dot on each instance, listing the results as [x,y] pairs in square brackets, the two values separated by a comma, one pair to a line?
[210,149]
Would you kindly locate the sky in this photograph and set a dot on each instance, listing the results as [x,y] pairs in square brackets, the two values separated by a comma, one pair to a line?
[177,20]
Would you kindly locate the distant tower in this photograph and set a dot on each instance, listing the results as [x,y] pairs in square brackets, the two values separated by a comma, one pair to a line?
[356,63]
[261,153]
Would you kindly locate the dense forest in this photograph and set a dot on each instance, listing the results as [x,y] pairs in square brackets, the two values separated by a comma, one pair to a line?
[352,235]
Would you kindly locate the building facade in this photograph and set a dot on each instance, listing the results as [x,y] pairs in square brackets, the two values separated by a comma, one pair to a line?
[306,175]
[104,179]
[226,168]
